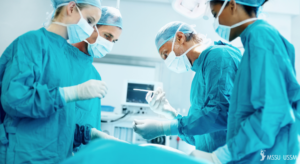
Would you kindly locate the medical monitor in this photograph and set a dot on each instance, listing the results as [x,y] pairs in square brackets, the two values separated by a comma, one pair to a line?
[136,92]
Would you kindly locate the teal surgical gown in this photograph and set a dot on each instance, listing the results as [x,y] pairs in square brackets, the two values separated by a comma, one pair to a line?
[39,123]
[206,123]
[3,135]
[262,116]
[114,152]
[87,111]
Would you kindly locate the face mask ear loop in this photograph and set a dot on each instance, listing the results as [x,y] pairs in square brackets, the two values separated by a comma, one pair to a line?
[79,11]
[59,23]
[175,36]
[97,31]
[97,36]
[222,8]
[86,41]
[243,22]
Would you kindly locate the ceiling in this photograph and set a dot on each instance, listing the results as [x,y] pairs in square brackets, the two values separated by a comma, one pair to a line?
[157,1]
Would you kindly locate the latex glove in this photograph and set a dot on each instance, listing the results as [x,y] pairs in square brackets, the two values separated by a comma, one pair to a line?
[87,90]
[209,157]
[150,129]
[97,134]
[160,105]
[223,154]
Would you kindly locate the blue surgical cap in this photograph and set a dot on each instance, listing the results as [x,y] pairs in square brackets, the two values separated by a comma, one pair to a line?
[58,3]
[252,3]
[168,31]
[111,17]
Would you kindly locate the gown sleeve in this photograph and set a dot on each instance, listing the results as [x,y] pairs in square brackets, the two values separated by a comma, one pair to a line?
[22,93]
[218,76]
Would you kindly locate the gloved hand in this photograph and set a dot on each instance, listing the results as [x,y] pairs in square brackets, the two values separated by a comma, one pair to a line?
[150,129]
[97,134]
[87,90]
[160,105]
[209,157]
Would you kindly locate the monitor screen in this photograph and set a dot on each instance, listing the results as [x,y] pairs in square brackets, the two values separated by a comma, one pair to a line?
[136,93]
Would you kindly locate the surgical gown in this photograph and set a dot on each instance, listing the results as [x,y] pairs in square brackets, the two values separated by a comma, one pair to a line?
[3,135]
[262,116]
[87,111]
[114,152]
[206,123]
[39,123]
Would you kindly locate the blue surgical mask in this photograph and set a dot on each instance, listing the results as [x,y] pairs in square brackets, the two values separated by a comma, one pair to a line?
[78,32]
[178,64]
[224,31]
[100,48]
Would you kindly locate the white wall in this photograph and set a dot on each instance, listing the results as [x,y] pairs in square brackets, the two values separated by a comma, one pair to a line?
[290,7]
[20,16]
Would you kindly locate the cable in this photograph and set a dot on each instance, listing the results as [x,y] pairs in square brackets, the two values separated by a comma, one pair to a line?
[118,4]
[117,118]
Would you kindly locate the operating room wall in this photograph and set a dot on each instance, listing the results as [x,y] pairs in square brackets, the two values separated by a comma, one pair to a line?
[20,16]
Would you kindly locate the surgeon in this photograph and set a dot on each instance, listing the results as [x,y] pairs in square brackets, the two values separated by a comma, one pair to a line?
[37,86]
[106,33]
[263,117]
[182,49]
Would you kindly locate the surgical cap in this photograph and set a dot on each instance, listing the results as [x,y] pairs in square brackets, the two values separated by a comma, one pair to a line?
[168,31]
[58,3]
[111,17]
[252,3]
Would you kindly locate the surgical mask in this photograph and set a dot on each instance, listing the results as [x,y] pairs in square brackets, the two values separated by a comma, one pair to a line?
[78,32]
[224,31]
[178,64]
[100,48]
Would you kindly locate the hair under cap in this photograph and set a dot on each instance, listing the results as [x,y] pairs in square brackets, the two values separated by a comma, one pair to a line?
[111,17]
[252,3]
[58,3]
[168,32]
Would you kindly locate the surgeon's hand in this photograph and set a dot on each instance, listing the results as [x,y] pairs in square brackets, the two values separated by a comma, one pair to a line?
[150,129]
[97,134]
[87,90]
[160,105]
[209,157]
